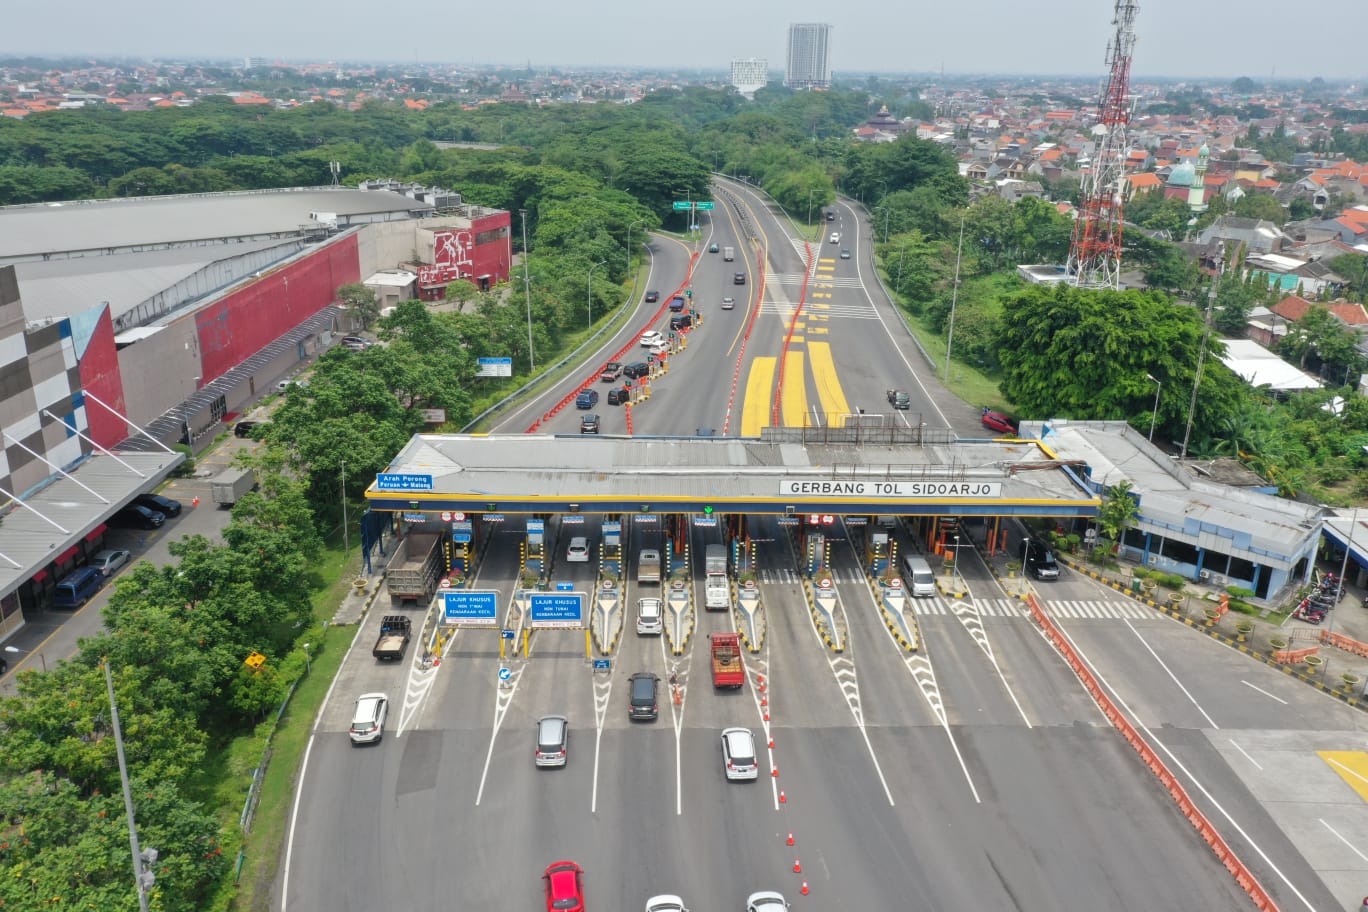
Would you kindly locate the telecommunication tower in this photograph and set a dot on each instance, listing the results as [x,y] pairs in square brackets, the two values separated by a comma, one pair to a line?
[1095,250]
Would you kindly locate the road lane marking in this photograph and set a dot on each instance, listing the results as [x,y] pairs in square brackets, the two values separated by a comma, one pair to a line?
[794,394]
[828,384]
[967,612]
[503,698]
[1353,848]
[1264,692]
[1172,676]
[755,406]
[1246,754]
[1352,767]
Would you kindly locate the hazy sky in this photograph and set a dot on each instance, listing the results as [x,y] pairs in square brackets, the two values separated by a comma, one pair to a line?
[1255,38]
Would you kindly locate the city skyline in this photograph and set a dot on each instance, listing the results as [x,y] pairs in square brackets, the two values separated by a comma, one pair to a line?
[1063,37]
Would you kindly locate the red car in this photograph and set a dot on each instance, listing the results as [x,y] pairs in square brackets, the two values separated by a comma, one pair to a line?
[996,421]
[564,891]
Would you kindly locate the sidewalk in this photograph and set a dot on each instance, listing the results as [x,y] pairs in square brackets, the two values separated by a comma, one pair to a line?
[1332,657]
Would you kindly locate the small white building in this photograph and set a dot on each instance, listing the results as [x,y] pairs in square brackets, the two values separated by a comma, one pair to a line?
[392,286]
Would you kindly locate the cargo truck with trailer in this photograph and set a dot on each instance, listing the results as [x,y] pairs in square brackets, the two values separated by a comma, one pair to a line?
[415,568]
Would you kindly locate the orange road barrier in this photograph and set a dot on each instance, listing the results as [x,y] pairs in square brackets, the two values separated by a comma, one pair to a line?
[1348,644]
[1294,656]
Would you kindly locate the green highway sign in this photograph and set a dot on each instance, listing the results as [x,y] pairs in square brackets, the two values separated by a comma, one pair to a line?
[708,205]
[682,205]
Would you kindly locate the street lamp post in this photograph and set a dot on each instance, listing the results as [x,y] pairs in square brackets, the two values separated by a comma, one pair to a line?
[589,291]
[954,299]
[15,650]
[1154,416]
[142,877]
[887,212]
[810,192]
[308,665]
[527,287]
[629,242]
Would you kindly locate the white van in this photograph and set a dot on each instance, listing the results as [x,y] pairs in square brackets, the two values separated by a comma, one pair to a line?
[917,572]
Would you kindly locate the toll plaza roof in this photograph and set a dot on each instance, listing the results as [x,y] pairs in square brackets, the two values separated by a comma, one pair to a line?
[901,471]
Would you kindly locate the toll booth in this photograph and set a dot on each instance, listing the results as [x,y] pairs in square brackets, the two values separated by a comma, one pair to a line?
[534,548]
[612,549]
[878,552]
[816,546]
[460,545]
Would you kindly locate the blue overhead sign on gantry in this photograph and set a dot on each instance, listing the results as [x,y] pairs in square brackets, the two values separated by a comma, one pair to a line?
[470,607]
[402,481]
[557,609]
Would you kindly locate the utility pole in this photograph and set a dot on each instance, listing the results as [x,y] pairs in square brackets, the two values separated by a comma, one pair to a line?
[527,287]
[1201,352]
[142,877]
[346,539]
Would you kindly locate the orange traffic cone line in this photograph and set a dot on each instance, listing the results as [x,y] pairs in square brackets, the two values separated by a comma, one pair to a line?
[790,839]
[804,891]
[797,866]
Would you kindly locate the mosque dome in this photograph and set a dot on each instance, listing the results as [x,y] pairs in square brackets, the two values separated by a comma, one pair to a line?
[1183,175]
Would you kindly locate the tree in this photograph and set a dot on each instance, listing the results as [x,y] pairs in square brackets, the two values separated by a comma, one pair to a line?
[1235,300]
[1261,206]
[1243,86]
[1085,353]
[1117,514]
[360,299]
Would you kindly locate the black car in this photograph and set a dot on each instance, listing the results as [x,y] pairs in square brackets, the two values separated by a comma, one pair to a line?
[589,424]
[636,370]
[618,396]
[245,427]
[739,279]
[135,516]
[681,321]
[1040,563]
[899,399]
[158,504]
[642,688]
[652,297]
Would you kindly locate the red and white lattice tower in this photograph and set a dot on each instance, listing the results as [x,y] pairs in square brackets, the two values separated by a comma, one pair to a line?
[1095,251]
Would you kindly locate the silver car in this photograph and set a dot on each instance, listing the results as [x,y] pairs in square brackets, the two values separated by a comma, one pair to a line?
[665,902]
[649,621]
[738,754]
[368,721]
[553,740]
[766,901]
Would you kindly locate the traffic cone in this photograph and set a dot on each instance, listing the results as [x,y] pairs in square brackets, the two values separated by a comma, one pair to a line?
[782,799]
[804,891]
[194,501]
[790,839]
[766,717]
[797,866]
[774,771]
[761,679]
[762,685]
[764,701]
[771,744]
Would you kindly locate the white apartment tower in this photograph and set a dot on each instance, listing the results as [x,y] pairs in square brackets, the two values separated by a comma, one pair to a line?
[809,61]
[749,74]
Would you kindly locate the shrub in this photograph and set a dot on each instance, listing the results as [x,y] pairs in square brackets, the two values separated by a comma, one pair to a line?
[1171,580]
[1239,592]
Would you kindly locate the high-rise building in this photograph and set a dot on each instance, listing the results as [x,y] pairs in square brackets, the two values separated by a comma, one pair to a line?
[809,61]
[749,74]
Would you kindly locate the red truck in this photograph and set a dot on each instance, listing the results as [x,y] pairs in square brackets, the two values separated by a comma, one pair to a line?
[727,670]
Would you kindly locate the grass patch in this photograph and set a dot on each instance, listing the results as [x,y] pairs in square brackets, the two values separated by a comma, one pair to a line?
[262,847]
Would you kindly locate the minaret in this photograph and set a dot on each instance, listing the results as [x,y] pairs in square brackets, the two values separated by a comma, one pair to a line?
[1197,193]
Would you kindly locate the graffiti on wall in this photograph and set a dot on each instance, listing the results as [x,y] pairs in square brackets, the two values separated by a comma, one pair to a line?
[451,258]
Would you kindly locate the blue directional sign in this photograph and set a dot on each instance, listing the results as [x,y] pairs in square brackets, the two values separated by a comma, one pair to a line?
[603,664]
[505,673]
[470,607]
[557,609]
[506,633]
[402,481]
[563,586]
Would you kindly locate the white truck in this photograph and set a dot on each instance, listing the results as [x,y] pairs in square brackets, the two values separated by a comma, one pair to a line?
[648,566]
[229,485]
[728,254]
[716,584]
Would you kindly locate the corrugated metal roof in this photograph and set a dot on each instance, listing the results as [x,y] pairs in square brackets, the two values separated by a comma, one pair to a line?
[32,542]
[103,225]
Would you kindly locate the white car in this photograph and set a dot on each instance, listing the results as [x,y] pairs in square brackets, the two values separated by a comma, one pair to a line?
[835,237]
[649,616]
[578,552]
[738,754]
[658,348]
[651,337]
[665,902]
[368,721]
[109,561]
[766,901]
[728,303]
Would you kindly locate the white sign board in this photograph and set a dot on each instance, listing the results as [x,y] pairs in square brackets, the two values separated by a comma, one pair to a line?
[922,490]
[494,367]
